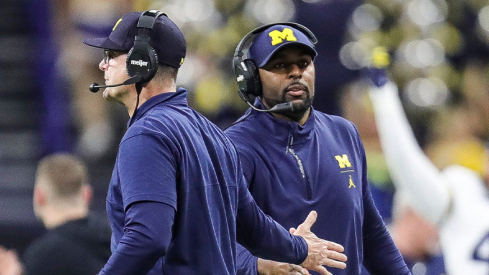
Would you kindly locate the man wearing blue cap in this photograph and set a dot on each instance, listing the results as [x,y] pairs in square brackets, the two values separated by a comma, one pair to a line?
[177,200]
[296,159]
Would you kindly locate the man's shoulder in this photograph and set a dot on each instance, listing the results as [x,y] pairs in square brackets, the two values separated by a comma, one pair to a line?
[242,133]
[330,118]
[45,253]
[158,122]
[329,121]
[243,125]
[47,244]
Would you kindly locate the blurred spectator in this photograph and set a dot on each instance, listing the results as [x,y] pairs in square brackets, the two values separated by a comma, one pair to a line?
[446,34]
[76,242]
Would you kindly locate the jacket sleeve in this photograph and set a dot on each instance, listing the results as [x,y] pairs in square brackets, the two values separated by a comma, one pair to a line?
[411,169]
[380,254]
[147,234]
[246,264]
[263,236]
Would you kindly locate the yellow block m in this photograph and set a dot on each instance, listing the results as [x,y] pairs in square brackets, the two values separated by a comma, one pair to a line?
[279,36]
[343,161]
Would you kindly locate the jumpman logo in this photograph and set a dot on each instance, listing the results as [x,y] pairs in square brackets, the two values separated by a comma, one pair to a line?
[351,184]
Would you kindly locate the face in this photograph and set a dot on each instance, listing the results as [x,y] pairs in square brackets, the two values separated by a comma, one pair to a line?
[289,77]
[114,67]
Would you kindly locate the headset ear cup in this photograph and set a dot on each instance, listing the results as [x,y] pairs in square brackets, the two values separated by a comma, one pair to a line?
[129,70]
[253,79]
[142,61]
[153,64]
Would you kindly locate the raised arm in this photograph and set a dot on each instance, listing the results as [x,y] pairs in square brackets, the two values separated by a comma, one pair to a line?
[411,170]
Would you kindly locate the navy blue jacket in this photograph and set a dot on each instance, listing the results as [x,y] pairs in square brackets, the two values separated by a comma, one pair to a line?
[293,169]
[177,200]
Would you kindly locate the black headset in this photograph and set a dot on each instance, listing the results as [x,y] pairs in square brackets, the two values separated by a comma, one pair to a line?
[246,70]
[142,59]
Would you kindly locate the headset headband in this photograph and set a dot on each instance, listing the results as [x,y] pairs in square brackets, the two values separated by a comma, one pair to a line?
[148,18]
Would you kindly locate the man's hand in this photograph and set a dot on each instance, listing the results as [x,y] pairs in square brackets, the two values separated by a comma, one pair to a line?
[266,267]
[320,252]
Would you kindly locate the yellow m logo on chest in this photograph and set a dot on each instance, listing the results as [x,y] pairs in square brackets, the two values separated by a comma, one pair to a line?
[343,161]
[279,36]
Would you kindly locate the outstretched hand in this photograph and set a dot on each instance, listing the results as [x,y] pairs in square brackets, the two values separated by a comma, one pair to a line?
[320,252]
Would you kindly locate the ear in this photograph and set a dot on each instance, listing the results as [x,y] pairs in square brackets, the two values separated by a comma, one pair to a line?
[87,194]
[40,196]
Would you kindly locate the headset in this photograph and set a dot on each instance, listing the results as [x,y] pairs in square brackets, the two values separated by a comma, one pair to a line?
[142,59]
[246,70]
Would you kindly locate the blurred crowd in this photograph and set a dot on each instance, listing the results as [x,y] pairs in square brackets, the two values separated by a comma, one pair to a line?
[439,52]
[440,58]
[212,28]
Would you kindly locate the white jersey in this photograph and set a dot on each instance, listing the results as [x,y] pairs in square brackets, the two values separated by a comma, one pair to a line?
[464,234]
[456,199]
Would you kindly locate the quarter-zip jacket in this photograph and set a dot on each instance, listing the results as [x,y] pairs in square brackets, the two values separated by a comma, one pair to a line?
[178,202]
[292,169]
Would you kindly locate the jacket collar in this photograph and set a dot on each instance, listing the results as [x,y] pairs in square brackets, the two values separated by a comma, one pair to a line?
[175,98]
[283,130]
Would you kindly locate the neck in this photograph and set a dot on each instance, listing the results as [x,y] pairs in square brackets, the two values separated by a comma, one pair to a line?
[152,89]
[53,217]
[300,118]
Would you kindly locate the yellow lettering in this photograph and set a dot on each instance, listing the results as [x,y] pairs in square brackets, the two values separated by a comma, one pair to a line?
[343,161]
[279,36]
[116,24]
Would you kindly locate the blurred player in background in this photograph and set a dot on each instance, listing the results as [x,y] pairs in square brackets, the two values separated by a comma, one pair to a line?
[416,239]
[455,199]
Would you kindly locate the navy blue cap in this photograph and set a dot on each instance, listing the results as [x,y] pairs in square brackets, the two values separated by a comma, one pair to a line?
[268,42]
[165,38]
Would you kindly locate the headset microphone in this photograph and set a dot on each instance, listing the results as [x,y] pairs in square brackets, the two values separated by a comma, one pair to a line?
[94,87]
[279,108]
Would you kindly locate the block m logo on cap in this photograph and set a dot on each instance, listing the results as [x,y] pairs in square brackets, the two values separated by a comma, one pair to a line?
[279,36]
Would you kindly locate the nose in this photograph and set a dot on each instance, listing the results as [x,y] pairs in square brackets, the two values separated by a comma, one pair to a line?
[295,71]
[102,65]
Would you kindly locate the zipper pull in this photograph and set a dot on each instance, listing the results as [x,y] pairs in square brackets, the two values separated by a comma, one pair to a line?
[290,142]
